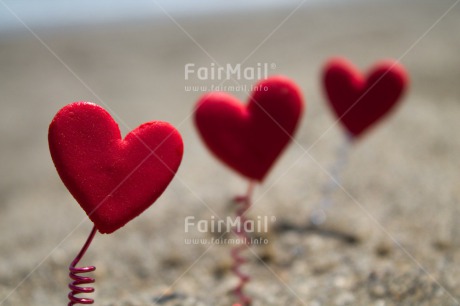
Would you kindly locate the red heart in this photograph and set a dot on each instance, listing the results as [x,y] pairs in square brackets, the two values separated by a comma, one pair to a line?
[360,101]
[250,138]
[113,179]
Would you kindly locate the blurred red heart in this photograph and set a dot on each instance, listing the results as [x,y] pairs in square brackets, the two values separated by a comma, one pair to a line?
[360,101]
[250,138]
[113,179]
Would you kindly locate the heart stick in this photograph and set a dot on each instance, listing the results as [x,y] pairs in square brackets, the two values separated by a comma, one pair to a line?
[113,179]
[318,216]
[249,138]
[80,280]
[359,102]
[244,204]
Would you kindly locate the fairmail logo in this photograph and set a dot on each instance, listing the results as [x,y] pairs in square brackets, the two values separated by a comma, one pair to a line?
[228,72]
[260,224]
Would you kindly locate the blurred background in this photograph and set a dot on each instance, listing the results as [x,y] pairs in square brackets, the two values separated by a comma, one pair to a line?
[400,198]
[51,13]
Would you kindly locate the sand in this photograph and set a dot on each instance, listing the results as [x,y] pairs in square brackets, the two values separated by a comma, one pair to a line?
[392,237]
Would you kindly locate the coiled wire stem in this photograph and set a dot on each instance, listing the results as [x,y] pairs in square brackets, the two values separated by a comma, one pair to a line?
[78,280]
[244,203]
[318,216]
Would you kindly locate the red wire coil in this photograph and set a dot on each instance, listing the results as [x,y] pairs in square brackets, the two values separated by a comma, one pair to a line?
[78,280]
[244,203]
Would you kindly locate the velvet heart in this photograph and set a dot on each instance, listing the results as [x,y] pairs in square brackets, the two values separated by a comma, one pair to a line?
[113,179]
[250,138]
[360,101]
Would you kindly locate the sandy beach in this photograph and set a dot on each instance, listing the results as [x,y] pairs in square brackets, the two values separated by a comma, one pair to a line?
[392,237]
